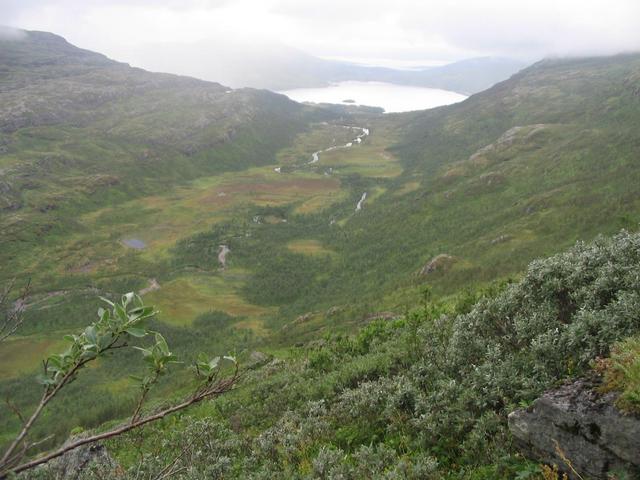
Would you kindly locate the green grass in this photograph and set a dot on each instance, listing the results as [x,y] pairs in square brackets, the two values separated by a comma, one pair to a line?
[622,374]
[185,175]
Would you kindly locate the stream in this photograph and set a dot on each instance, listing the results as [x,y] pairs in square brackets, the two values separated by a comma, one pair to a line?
[315,156]
[361,202]
[222,256]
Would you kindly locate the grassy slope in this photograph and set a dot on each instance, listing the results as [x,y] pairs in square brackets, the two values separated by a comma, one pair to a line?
[570,178]
[422,397]
[91,149]
[145,155]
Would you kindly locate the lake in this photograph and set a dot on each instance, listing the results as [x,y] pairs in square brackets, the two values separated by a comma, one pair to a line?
[391,97]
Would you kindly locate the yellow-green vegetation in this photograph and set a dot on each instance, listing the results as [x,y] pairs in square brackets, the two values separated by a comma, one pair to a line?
[318,137]
[408,187]
[418,395]
[180,301]
[148,186]
[21,355]
[621,373]
[308,247]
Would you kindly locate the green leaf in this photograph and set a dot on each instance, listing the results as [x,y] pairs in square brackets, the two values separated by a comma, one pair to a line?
[55,361]
[44,380]
[162,344]
[127,298]
[214,362]
[121,313]
[88,354]
[145,351]
[136,332]
[90,333]
[105,340]
[107,301]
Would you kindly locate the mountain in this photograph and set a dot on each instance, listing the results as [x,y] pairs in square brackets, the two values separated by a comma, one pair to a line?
[278,67]
[376,265]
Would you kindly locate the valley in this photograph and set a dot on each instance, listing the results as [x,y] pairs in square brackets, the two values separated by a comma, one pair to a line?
[333,237]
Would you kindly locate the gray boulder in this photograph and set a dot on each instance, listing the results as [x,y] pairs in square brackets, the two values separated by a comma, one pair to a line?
[578,423]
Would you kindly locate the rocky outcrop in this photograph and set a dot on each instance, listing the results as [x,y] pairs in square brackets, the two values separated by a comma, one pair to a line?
[439,263]
[76,464]
[578,423]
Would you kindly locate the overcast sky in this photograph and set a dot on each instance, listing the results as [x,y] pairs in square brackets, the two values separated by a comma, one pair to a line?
[373,31]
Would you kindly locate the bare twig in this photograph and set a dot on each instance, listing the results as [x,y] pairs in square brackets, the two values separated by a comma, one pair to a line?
[14,314]
[143,396]
[168,470]
[15,410]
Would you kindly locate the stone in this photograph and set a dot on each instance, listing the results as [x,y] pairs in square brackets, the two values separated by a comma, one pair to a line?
[74,464]
[257,357]
[578,423]
[438,263]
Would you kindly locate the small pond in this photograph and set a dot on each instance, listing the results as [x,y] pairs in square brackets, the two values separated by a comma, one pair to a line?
[134,243]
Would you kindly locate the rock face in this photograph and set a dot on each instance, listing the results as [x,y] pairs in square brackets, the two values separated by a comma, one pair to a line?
[585,425]
[438,263]
[75,464]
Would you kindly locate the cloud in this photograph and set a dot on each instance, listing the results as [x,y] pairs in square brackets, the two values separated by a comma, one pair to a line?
[408,30]
[10,33]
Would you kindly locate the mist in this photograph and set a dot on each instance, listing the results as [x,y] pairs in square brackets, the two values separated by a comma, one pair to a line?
[221,39]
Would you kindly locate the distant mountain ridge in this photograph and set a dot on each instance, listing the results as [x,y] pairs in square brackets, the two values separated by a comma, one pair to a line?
[279,67]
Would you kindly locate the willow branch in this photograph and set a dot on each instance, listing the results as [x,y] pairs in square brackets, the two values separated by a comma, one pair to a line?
[212,391]
[47,395]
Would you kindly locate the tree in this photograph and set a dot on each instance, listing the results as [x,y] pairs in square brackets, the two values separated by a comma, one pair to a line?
[116,326]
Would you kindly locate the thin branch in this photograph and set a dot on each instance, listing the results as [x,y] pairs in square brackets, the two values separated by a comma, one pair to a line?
[143,396]
[47,396]
[214,390]
[14,318]
[167,471]
[15,410]
[172,472]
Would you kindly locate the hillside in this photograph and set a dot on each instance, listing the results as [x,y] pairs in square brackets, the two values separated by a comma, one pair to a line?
[422,397]
[256,223]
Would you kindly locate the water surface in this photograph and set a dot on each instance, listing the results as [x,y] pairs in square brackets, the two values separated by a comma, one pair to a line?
[391,97]
[134,243]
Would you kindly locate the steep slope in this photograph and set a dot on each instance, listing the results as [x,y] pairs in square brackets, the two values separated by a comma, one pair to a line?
[426,396]
[529,166]
[78,130]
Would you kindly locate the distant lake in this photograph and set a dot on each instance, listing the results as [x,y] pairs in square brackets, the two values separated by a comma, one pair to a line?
[391,97]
